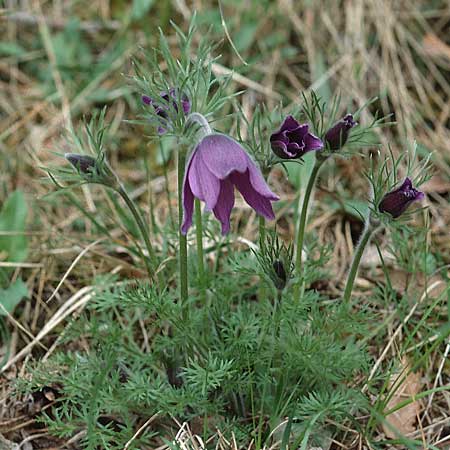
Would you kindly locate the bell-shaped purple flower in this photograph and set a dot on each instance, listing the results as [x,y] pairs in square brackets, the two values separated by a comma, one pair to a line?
[396,202]
[293,140]
[169,100]
[337,135]
[216,166]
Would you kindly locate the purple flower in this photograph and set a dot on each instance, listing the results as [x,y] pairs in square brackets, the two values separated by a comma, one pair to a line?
[293,140]
[337,136]
[396,202]
[217,164]
[165,104]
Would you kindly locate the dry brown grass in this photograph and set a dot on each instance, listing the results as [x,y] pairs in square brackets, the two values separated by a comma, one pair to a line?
[397,49]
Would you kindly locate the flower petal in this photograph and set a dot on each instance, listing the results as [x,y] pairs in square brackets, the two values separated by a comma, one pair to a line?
[282,150]
[258,183]
[298,134]
[188,206]
[289,124]
[312,142]
[224,205]
[257,201]
[222,155]
[406,185]
[204,185]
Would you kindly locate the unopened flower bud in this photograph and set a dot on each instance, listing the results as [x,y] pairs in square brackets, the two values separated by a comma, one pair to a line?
[396,202]
[170,100]
[280,278]
[336,136]
[87,165]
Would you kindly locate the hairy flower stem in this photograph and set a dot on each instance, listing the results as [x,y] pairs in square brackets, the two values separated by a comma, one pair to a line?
[262,230]
[143,229]
[302,223]
[181,237]
[369,231]
[200,120]
[200,257]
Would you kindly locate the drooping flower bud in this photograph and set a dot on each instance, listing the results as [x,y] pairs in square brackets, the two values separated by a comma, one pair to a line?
[92,170]
[396,201]
[337,135]
[169,100]
[293,140]
[280,277]
[87,165]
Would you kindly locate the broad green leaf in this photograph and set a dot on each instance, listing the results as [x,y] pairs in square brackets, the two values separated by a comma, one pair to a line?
[299,172]
[140,8]
[245,36]
[11,49]
[13,215]
[11,296]
[357,208]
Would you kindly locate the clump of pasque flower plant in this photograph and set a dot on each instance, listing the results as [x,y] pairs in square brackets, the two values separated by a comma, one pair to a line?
[264,362]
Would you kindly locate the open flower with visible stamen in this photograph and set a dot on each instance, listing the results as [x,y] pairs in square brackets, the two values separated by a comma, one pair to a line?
[396,201]
[216,166]
[293,140]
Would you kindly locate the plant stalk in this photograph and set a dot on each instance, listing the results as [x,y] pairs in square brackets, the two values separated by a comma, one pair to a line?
[143,229]
[368,232]
[200,253]
[262,230]
[181,237]
[302,223]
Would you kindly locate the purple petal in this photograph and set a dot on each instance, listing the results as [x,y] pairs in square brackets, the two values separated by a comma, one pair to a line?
[279,136]
[224,205]
[146,99]
[186,105]
[204,185]
[222,155]
[281,149]
[289,124]
[188,206]
[295,148]
[298,134]
[312,142]
[257,201]
[349,121]
[406,185]
[258,183]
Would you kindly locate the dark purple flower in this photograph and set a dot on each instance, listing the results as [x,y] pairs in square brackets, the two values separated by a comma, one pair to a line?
[336,136]
[164,105]
[217,164]
[280,278]
[396,202]
[293,140]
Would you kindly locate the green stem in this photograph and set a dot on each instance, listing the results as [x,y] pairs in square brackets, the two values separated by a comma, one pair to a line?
[302,223]
[181,237]
[365,238]
[143,229]
[262,230]
[200,257]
